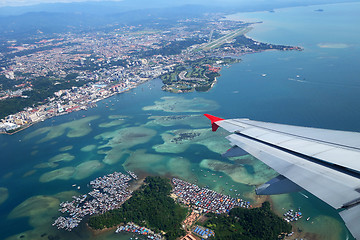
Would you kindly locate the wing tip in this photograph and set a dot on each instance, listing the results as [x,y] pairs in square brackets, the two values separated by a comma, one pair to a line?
[213,120]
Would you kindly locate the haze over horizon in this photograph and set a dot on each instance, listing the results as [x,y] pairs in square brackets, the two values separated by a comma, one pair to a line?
[161,3]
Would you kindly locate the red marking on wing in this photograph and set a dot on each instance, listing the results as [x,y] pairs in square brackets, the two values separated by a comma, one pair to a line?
[213,120]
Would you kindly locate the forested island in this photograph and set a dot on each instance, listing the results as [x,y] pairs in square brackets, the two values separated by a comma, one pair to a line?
[152,207]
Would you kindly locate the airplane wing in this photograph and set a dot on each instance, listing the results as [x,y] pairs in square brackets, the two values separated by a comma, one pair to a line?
[324,162]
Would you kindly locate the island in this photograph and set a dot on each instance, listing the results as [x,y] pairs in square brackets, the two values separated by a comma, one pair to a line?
[150,206]
[162,209]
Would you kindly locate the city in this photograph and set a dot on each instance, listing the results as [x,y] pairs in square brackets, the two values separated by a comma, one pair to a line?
[74,71]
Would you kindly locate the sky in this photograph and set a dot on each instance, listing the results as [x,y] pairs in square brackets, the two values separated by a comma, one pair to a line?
[18,3]
[15,3]
[276,3]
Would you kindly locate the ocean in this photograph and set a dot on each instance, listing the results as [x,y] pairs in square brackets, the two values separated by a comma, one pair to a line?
[141,130]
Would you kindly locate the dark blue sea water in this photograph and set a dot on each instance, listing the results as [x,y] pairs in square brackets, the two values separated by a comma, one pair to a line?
[317,87]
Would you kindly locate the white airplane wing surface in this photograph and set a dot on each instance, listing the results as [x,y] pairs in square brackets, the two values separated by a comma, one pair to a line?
[324,162]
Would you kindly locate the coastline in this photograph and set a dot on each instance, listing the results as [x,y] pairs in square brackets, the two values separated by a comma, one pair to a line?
[79,108]
[19,129]
[165,87]
[97,232]
[297,232]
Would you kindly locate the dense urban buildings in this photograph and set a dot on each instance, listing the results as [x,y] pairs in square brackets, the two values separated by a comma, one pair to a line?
[50,75]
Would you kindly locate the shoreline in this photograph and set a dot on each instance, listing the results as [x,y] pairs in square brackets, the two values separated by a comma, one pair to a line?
[259,200]
[133,187]
[144,80]
[97,232]
[19,129]
[297,232]
[80,108]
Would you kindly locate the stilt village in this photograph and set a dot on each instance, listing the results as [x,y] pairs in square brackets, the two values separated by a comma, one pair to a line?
[111,191]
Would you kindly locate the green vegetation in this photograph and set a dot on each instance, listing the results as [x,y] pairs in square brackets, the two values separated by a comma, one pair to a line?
[243,41]
[248,224]
[42,89]
[31,51]
[172,48]
[168,78]
[196,75]
[6,83]
[150,206]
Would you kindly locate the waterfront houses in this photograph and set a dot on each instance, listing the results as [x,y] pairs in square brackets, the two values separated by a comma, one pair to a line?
[108,192]
[204,199]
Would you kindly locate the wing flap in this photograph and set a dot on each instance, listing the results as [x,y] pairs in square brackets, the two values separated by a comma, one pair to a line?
[351,219]
[234,151]
[328,152]
[341,138]
[323,182]
[277,185]
[324,162]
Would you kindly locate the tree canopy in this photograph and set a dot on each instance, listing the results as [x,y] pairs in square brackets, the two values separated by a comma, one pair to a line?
[150,206]
[248,224]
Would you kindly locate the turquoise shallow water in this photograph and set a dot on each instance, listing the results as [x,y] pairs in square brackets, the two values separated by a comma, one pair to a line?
[316,87]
